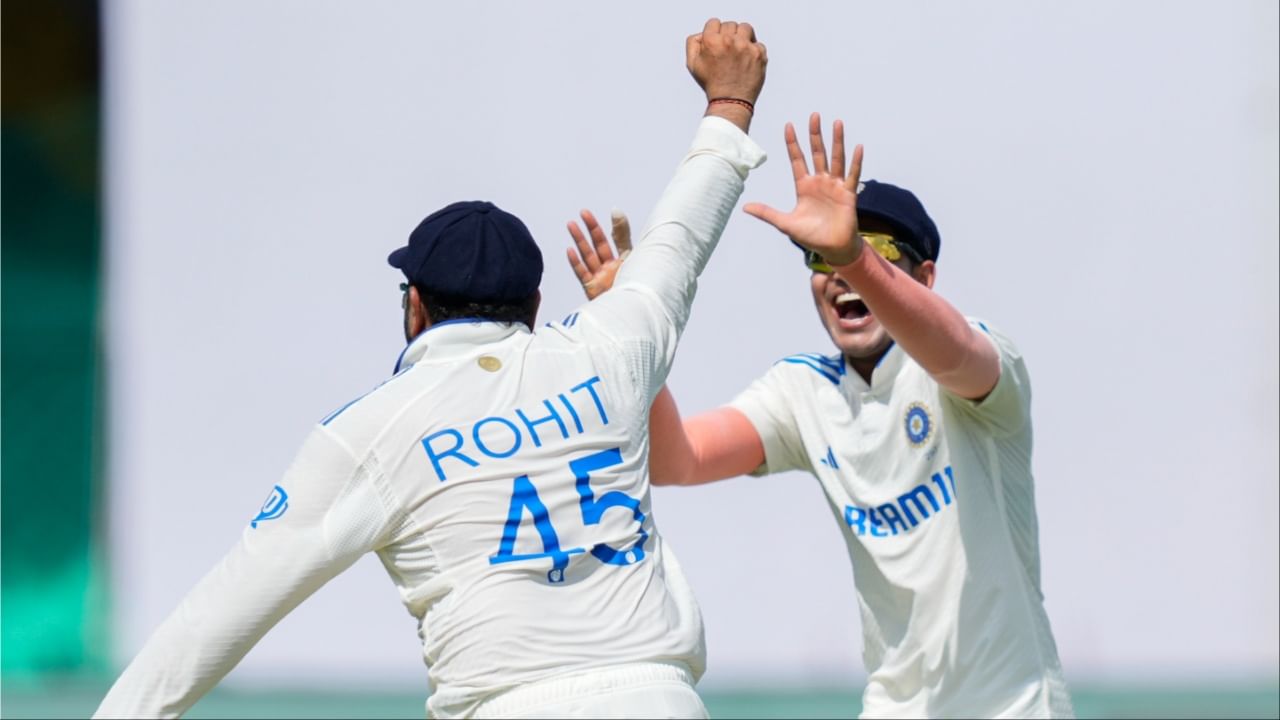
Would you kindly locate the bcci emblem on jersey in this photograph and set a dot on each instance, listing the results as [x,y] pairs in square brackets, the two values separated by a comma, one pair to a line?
[919,424]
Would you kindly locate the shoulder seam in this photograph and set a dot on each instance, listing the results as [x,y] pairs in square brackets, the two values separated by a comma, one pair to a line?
[324,422]
[828,367]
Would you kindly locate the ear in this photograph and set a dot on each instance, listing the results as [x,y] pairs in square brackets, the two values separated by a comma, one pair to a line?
[926,273]
[419,319]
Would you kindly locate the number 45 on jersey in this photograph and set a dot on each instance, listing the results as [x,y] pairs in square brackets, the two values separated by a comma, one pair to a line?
[525,495]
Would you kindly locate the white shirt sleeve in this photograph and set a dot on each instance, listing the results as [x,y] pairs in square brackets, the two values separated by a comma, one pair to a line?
[332,512]
[651,297]
[767,403]
[1007,408]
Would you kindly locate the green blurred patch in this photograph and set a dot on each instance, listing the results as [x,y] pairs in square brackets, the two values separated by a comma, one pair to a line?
[50,573]
[79,699]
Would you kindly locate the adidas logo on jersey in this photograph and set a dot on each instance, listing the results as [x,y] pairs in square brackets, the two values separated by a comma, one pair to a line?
[830,460]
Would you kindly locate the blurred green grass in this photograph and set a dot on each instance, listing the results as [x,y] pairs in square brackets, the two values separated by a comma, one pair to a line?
[77,697]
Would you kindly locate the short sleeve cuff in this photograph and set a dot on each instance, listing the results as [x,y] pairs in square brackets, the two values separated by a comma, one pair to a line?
[769,439]
[1007,407]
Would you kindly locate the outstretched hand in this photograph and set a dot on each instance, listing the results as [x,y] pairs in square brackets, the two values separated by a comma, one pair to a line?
[594,262]
[825,218]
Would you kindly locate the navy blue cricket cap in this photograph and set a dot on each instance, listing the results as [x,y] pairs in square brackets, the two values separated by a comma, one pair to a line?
[902,210]
[472,250]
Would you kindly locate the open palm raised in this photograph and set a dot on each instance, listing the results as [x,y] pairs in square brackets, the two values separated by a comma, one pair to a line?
[594,262]
[825,218]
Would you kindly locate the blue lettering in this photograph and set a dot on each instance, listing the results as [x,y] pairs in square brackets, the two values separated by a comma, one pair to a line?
[877,525]
[454,451]
[490,442]
[587,384]
[914,496]
[946,494]
[909,510]
[525,495]
[564,431]
[890,513]
[856,521]
[593,507]
[515,432]
[577,422]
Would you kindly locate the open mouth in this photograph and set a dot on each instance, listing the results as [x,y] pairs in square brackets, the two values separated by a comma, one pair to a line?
[849,307]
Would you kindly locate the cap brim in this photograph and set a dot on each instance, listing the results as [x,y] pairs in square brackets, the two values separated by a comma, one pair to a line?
[886,217]
[397,257]
[897,225]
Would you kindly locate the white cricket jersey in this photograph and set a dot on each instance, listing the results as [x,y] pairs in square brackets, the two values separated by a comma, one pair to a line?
[501,476]
[934,496]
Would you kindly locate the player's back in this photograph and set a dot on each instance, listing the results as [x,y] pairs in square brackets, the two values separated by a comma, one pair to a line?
[527,546]
[501,476]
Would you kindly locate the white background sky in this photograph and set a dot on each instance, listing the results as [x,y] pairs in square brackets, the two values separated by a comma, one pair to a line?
[1104,176]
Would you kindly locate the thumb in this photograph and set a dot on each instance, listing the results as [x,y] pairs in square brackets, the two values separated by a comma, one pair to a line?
[692,48]
[621,232]
[776,218]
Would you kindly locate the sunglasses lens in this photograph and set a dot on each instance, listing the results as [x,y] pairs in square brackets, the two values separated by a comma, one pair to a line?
[884,245]
[814,262]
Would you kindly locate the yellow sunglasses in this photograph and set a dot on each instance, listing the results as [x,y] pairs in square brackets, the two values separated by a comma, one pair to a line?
[883,243]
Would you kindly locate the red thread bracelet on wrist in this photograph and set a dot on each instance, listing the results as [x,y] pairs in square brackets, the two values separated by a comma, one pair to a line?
[735,101]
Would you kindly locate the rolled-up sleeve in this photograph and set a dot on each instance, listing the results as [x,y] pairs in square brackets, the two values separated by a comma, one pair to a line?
[654,290]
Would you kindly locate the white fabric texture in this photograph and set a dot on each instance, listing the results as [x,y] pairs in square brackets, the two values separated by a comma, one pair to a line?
[640,690]
[934,495]
[508,498]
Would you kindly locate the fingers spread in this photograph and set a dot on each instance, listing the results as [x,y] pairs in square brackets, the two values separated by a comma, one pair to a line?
[798,167]
[776,218]
[855,170]
[603,251]
[816,146]
[837,149]
[584,275]
[584,248]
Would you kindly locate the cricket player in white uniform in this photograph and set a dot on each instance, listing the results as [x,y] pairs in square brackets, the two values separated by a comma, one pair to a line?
[501,475]
[918,429]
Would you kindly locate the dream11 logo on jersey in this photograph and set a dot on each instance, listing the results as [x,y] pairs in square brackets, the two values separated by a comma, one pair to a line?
[277,502]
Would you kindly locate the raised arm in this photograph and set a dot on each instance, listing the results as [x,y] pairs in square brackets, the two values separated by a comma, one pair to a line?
[929,328]
[825,220]
[685,226]
[644,315]
[714,445]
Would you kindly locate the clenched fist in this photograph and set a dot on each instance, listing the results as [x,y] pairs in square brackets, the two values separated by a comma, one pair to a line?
[727,61]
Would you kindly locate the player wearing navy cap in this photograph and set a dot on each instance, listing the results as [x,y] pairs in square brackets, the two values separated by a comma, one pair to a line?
[918,429]
[500,475]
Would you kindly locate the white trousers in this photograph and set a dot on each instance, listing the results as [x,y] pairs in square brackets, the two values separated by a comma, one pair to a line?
[639,690]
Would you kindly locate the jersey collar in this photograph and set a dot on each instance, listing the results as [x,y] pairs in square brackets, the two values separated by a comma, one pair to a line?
[454,337]
[882,376]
